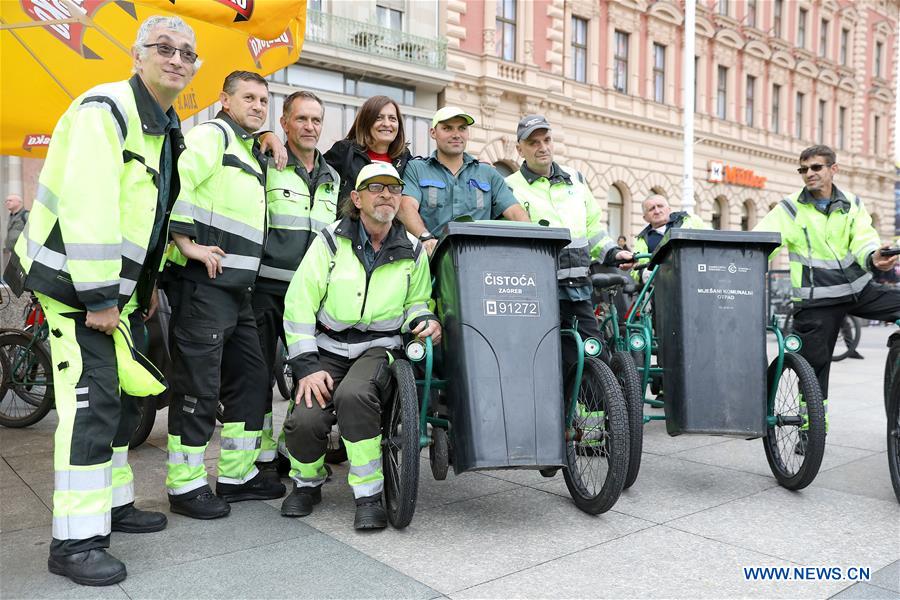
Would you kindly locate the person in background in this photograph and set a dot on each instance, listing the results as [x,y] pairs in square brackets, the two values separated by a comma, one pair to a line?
[377,134]
[17,217]
[622,243]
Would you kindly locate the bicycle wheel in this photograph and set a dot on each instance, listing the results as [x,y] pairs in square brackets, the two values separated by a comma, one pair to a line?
[26,393]
[848,339]
[400,446]
[597,442]
[796,443]
[891,366]
[623,368]
[893,436]
[147,407]
[282,372]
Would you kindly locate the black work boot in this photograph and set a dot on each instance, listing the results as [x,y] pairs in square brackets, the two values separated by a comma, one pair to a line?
[269,469]
[201,506]
[91,567]
[283,465]
[258,488]
[370,513]
[129,519]
[301,501]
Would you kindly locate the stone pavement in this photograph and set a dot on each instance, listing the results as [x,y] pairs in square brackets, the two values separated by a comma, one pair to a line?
[702,508]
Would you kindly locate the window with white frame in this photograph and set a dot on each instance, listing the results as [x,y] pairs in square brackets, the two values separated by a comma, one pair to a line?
[506,29]
[750,100]
[842,123]
[724,8]
[798,115]
[722,93]
[659,73]
[879,50]
[823,38]
[820,123]
[776,108]
[777,12]
[845,46]
[390,18]
[579,49]
[620,73]
[801,28]
[876,135]
[750,18]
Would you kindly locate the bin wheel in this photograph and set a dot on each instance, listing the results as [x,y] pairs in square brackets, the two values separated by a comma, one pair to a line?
[335,451]
[893,436]
[400,446]
[624,369]
[795,454]
[439,453]
[597,441]
[147,407]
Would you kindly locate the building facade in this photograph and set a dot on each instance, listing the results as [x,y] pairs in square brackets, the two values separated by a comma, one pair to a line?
[772,77]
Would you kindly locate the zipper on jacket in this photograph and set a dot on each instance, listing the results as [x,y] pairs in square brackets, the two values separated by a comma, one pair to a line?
[812,270]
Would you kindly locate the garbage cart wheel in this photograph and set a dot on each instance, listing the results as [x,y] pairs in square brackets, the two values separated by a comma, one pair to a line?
[26,380]
[893,436]
[147,406]
[439,453]
[624,369]
[597,441]
[795,453]
[400,446]
[282,372]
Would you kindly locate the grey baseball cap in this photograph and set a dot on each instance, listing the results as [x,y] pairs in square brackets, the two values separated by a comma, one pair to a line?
[529,124]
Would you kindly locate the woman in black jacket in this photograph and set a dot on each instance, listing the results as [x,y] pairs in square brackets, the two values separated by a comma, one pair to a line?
[376,134]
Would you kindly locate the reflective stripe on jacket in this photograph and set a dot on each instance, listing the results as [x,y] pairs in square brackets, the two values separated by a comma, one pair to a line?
[336,305]
[829,253]
[222,202]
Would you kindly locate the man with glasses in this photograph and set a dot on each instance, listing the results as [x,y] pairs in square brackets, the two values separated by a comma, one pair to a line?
[363,283]
[301,201]
[91,251]
[834,250]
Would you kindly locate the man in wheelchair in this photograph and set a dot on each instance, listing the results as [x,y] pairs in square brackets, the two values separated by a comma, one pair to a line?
[363,282]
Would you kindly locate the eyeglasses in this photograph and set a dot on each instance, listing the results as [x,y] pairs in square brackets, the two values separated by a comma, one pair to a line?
[376,188]
[187,56]
[814,168]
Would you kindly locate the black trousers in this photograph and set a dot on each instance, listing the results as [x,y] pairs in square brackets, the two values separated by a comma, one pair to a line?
[581,312]
[268,309]
[818,326]
[215,357]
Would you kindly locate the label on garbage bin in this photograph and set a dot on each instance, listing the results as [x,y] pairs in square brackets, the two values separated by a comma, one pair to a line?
[512,308]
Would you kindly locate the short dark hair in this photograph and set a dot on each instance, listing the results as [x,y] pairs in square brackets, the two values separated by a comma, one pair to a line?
[366,117]
[819,150]
[231,82]
[289,101]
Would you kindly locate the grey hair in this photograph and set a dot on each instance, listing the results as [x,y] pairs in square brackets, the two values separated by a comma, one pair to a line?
[176,24]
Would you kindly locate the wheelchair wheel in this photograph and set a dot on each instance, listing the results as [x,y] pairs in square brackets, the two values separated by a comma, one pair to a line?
[893,436]
[400,446]
[597,442]
[26,388]
[795,453]
[623,368]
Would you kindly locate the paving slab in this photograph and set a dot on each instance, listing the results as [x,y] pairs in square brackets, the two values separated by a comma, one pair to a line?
[865,591]
[888,577]
[7,475]
[867,476]
[651,563]
[668,488]
[816,526]
[21,508]
[314,566]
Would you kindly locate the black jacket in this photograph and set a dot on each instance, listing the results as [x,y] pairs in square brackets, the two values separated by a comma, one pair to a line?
[347,158]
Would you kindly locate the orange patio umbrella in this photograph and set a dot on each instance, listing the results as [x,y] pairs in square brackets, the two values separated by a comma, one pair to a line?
[51,51]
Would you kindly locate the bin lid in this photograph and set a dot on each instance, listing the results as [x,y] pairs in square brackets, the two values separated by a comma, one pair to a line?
[766,241]
[558,236]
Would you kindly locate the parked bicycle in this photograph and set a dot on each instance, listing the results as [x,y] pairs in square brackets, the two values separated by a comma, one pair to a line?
[26,372]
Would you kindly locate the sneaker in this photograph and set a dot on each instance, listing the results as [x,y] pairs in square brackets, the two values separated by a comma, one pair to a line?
[370,514]
[202,506]
[258,488]
[91,567]
[129,519]
[301,501]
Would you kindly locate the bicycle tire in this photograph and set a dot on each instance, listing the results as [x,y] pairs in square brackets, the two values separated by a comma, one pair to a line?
[400,447]
[147,407]
[893,436]
[626,373]
[848,335]
[27,380]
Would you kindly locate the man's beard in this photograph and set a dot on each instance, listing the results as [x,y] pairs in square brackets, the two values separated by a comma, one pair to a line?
[384,214]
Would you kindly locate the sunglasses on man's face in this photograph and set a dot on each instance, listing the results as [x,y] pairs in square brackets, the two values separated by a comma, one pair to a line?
[187,57]
[814,168]
[376,188]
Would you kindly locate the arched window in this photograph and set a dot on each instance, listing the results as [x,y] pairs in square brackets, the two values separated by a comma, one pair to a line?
[614,211]
[748,215]
[720,213]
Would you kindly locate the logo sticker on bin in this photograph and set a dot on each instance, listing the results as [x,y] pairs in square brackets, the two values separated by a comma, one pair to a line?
[510,294]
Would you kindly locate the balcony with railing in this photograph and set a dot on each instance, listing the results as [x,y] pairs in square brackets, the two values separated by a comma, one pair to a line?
[368,38]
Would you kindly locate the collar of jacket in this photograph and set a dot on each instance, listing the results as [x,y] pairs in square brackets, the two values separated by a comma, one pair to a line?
[673,218]
[153,120]
[396,244]
[838,200]
[467,159]
[557,175]
[320,174]
[238,130]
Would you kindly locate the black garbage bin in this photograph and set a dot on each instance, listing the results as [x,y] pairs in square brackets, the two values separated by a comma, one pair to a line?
[710,306]
[497,300]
